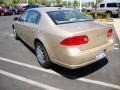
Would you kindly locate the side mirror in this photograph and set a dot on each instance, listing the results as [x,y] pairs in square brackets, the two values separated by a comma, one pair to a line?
[16,19]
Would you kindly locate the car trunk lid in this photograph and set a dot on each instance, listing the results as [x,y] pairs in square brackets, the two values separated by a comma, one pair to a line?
[97,33]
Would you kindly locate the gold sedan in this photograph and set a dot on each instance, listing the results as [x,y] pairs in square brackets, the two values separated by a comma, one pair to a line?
[63,36]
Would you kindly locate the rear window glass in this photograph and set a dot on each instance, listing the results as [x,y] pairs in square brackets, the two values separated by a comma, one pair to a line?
[67,16]
[33,17]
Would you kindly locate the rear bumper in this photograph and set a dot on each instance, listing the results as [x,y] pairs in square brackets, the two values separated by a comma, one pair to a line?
[74,59]
[78,65]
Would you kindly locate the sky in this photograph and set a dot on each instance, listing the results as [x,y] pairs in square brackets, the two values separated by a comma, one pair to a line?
[95,0]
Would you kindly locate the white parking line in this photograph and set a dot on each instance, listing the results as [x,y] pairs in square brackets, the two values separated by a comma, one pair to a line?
[116,44]
[100,83]
[8,34]
[52,72]
[28,65]
[116,48]
[117,27]
[24,79]
[12,35]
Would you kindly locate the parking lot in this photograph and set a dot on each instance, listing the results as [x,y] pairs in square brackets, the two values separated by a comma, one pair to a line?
[19,69]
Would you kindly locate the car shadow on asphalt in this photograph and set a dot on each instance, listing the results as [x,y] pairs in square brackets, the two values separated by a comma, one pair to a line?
[75,73]
[80,72]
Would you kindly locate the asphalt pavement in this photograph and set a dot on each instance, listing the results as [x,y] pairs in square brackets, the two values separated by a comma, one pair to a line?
[19,69]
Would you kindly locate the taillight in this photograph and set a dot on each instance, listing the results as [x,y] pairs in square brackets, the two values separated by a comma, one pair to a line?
[118,10]
[109,33]
[75,40]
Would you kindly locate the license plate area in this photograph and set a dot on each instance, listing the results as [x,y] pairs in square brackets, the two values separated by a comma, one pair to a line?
[100,55]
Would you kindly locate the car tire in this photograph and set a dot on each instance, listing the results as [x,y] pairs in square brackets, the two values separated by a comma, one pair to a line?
[42,55]
[15,34]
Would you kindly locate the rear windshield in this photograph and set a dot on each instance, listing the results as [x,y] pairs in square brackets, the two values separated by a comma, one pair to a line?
[67,16]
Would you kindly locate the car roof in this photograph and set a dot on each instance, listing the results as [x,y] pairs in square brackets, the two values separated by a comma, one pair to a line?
[47,9]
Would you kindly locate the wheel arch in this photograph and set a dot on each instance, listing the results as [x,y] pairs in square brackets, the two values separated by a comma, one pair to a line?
[47,47]
[37,40]
[107,11]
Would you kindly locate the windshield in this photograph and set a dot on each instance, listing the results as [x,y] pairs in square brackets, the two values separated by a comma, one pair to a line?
[67,16]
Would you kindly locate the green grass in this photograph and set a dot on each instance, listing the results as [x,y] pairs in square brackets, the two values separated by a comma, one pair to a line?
[100,17]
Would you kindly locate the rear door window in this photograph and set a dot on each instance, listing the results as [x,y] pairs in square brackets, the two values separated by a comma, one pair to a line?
[24,16]
[34,17]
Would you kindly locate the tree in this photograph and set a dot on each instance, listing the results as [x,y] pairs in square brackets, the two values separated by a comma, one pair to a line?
[45,2]
[15,1]
[1,2]
[76,4]
[59,2]
[69,3]
[32,1]
[96,7]
[64,3]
